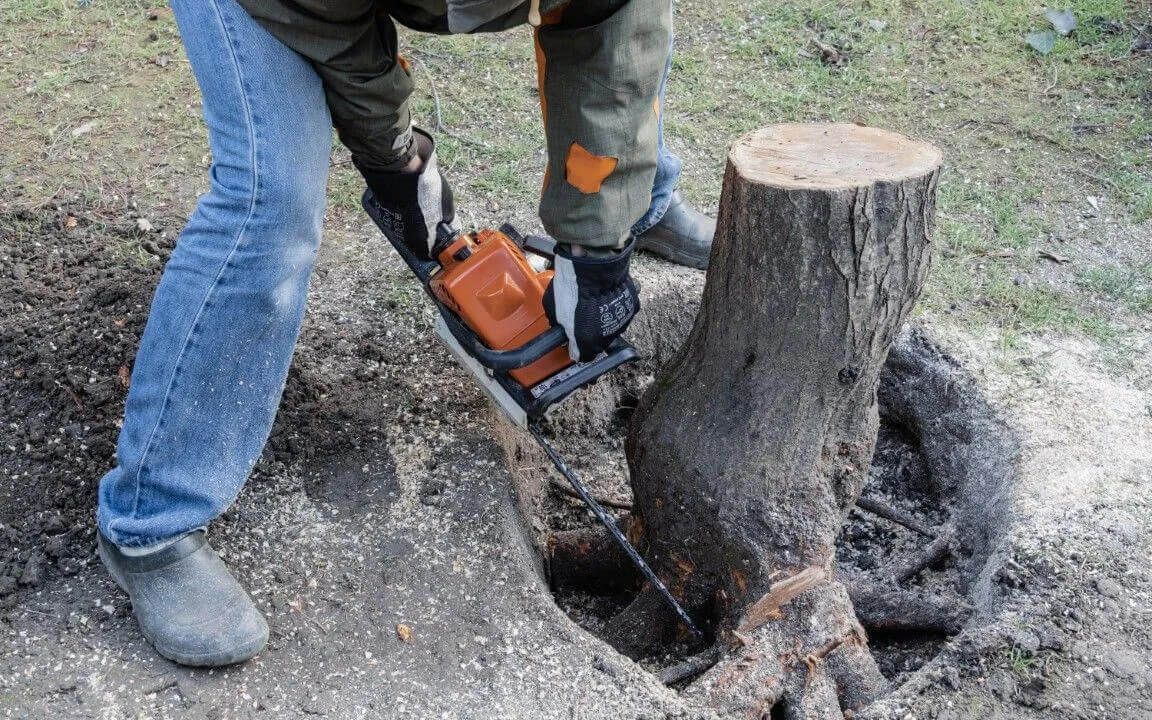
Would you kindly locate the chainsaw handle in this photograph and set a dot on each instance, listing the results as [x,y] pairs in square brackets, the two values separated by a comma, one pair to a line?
[424,269]
[542,245]
[526,354]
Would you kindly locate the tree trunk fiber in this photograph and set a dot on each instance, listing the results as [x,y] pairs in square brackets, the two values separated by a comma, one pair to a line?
[753,443]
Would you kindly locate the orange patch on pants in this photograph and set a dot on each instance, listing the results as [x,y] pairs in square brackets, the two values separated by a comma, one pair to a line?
[552,17]
[549,18]
[586,171]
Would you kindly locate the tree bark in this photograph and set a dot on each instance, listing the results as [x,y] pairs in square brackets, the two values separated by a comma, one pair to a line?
[754,441]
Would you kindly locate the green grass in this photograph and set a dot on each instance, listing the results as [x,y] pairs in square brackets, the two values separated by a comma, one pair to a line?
[1020,661]
[1027,138]
[1131,286]
[1135,190]
[1011,300]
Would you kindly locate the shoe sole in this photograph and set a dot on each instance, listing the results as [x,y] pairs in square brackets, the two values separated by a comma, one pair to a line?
[241,653]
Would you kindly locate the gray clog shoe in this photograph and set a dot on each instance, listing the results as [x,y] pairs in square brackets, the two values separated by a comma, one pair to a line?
[188,604]
[683,235]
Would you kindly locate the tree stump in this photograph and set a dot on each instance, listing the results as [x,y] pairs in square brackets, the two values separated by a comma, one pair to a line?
[754,441]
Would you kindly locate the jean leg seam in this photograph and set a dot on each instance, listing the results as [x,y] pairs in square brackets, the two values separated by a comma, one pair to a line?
[655,215]
[255,173]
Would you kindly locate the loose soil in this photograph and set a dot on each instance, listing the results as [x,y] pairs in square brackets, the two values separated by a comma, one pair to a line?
[383,499]
[70,322]
[380,502]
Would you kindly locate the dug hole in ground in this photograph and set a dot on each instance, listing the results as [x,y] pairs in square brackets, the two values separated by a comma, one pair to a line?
[398,543]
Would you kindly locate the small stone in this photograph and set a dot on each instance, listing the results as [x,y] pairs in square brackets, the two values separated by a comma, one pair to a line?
[143,225]
[601,664]
[1002,685]
[321,704]
[1025,640]
[982,641]
[950,678]
[1108,587]
[33,573]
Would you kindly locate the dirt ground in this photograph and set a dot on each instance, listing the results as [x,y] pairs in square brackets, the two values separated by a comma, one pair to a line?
[382,501]
[379,502]
[384,498]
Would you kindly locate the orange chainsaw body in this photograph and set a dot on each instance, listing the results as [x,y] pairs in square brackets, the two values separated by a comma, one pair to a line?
[487,281]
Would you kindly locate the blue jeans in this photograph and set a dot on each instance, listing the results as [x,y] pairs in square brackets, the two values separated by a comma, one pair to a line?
[668,167]
[215,352]
[216,348]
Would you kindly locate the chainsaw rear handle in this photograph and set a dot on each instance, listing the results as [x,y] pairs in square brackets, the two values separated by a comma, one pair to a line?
[542,245]
[522,356]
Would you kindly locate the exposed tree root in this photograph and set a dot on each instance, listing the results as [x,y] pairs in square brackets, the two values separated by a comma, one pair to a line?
[564,489]
[690,667]
[858,679]
[936,552]
[882,607]
[588,560]
[886,511]
[811,660]
[643,627]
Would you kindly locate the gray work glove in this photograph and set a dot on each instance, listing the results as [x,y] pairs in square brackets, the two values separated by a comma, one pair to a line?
[592,298]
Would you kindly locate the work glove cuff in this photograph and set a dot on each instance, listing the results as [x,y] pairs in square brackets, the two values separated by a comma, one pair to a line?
[600,271]
[593,299]
[413,204]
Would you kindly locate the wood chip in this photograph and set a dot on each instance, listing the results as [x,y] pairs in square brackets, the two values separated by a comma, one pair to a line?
[1054,257]
[1004,253]
[780,594]
[404,632]
[84,128]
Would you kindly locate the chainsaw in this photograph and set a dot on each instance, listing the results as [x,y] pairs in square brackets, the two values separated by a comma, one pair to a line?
[490,315]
